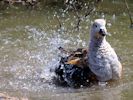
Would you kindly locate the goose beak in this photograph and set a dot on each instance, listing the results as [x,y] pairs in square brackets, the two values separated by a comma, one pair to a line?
[103,32]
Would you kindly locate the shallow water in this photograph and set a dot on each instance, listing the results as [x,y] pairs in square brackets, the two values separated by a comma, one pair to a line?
[29,42]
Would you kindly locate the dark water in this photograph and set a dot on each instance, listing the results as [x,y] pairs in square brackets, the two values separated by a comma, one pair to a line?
[28,49]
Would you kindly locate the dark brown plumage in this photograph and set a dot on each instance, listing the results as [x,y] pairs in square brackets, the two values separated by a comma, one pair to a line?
[73,69]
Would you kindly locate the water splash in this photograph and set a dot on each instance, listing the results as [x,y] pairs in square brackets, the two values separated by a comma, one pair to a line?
[32,59]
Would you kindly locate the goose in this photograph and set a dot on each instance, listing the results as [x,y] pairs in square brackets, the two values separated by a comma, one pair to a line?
[98,63]
[103,60]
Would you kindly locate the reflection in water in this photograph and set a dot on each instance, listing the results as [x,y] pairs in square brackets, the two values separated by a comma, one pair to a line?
[28,50]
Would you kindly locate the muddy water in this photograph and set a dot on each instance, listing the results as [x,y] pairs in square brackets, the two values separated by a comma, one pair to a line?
[28,50]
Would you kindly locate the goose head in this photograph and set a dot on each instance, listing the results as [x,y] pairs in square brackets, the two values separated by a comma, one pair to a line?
[98,29]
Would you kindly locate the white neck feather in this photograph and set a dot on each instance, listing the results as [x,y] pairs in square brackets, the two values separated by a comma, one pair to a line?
[97,43]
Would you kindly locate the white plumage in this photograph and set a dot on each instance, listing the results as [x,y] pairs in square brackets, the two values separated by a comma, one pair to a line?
[102,58]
